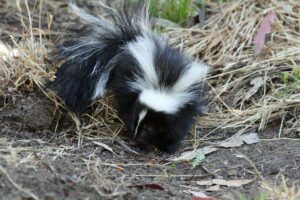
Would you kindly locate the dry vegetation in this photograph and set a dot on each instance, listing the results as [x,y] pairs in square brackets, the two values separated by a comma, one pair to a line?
[225,43]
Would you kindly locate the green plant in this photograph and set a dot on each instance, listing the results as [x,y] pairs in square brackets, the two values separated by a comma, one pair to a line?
[172,167]
[202,3]
[243,197]
[291,83]
[262,195]
[154,8]
[178,11]
[198,159]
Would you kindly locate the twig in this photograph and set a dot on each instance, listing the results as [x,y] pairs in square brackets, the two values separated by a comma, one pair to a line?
[220,6]
[278,139]
[201,12]
[253,165]
[127,147]
[166,176]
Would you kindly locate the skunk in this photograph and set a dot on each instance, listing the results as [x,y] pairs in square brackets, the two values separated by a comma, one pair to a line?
[158,89]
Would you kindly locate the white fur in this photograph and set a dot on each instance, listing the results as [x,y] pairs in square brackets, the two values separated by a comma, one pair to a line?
[98,24]
[142,115]
[143,21]
[100,88]
[195,73]
[143,50]
[86,48]
[160,101]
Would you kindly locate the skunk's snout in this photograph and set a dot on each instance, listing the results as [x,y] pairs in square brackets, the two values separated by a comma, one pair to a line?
[144,135]
[149,132]
[155,128]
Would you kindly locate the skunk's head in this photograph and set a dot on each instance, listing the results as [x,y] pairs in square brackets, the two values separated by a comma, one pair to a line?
[158,120]
[146,128]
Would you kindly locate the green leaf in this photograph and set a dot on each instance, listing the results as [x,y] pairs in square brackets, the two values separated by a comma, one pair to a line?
[198,159]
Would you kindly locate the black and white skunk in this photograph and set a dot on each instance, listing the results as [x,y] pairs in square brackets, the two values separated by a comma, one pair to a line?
[158,90]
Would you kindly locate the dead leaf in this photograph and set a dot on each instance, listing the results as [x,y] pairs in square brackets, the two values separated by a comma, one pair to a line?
[189,155]
[239,140]
[198,194]
[257,82]
[205,183]
[213,188]
[152,186]
[230,183]
[264,28]
[234,141]
[250,138]
[3,49]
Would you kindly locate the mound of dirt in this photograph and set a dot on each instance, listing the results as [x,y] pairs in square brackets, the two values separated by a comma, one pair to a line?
[30,112]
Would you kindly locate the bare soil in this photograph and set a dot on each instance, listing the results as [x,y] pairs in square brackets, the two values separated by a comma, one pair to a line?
[40,156]
[51,166]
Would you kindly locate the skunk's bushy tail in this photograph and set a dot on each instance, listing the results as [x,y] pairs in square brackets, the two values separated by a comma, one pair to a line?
[88,55]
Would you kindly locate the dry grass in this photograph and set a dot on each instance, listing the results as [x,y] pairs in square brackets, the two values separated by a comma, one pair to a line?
[226,43]
[280,191]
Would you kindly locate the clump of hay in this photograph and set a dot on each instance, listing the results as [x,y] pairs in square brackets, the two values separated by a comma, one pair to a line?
[26,66]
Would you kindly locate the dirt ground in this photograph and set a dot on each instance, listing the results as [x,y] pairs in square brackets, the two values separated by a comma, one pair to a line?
[51,166]
[40,157]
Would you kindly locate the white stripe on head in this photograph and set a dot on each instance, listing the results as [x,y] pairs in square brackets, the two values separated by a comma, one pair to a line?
[142,115]
[159,101]
[143,50]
